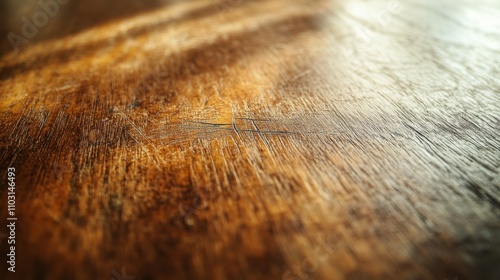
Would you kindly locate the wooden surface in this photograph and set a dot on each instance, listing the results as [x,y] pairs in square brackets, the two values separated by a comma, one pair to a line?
[253,140]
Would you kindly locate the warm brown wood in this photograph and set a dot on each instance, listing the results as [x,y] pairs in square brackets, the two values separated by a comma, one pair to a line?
[254,140]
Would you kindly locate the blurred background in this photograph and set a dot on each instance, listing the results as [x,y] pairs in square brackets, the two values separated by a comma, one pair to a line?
[65,17]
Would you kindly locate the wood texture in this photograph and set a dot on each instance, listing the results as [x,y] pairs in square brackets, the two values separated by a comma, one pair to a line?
[254,140]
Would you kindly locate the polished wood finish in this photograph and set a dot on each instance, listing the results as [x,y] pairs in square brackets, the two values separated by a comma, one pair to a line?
[254,140]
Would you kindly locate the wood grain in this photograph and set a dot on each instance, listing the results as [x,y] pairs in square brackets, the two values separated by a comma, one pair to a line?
[325,139]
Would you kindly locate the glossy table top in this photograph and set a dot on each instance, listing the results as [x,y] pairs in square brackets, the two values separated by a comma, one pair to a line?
[241,139]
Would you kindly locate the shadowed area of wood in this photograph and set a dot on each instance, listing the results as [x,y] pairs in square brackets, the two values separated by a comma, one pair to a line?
[244,139]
